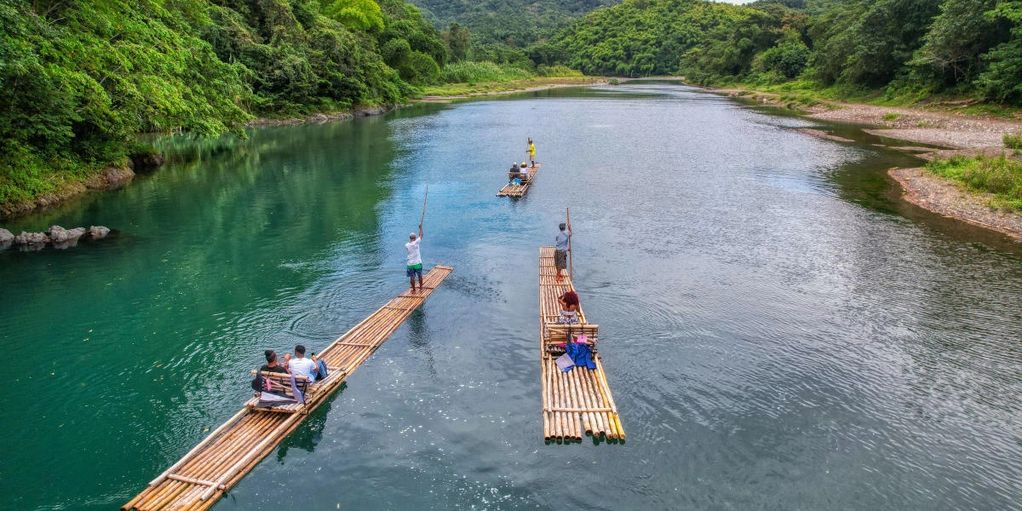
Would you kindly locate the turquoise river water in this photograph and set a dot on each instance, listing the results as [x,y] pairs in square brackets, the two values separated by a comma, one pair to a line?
[780,331]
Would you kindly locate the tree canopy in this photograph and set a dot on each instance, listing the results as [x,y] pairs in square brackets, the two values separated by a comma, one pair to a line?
[971,47]
[81,78]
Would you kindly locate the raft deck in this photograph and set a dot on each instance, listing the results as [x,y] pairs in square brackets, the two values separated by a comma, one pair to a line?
[580,400]
[214,466]
[512,190]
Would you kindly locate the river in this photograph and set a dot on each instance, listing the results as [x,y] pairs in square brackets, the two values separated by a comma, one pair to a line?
[779,330]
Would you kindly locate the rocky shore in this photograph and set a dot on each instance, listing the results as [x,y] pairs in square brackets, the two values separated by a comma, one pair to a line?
[56,236]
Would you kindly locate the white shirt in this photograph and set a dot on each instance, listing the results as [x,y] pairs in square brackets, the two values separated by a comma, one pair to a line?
[413,252]
[303,366]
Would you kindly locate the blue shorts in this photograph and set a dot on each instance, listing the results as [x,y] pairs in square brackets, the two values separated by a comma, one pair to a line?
[414,269]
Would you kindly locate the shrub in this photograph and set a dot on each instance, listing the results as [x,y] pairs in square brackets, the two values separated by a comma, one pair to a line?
[1013,141]
[557,71]
[466,72]
[788,59]
[1000,176]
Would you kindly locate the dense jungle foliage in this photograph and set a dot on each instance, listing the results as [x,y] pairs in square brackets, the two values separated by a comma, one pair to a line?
[915,47]
[511,23]
[81,78]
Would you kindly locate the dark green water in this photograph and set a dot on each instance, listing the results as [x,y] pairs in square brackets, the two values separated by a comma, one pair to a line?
[779,331]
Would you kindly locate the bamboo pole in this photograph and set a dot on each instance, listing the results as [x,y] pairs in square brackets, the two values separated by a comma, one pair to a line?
[571,253]
[424,199]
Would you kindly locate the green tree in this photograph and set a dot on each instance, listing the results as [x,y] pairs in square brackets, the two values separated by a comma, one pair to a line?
[458,41]
[1002,81]
[957,39]
[356,14]
[788,59]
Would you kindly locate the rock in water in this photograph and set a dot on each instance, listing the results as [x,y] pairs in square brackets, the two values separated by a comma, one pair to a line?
[69,238]
[6,238]
[31,240]
[57,234]
[98,232]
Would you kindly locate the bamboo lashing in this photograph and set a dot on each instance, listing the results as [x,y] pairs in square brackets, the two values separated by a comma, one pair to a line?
[225,456]
[517,191]
[579,402]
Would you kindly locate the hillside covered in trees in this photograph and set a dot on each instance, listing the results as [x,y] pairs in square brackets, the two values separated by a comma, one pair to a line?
[514,23]
[81,79]
[914,47]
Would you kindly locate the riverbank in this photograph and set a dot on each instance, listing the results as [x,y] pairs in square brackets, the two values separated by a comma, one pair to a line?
[948,132]
[944,197]
[453,91]
[940,126]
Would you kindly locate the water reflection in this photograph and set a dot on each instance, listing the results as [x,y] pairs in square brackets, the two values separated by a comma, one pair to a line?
[310,433]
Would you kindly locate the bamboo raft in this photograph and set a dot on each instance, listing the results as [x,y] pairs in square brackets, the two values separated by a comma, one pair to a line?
[580,400]
[517,191]
[214,466]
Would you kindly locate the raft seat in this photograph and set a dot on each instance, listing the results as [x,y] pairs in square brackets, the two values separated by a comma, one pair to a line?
[282,383]
[557,333]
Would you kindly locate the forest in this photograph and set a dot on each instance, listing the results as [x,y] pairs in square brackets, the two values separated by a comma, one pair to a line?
[915,48]
[511,23]
[82,79]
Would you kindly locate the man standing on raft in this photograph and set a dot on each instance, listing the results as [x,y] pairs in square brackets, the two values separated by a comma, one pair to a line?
[414,258]
[532,153]
[561,248]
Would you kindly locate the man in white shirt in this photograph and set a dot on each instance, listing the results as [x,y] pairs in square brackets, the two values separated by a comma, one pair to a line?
[299,365]
[414,267]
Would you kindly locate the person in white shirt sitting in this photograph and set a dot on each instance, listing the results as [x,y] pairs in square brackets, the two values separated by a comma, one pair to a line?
[301,366]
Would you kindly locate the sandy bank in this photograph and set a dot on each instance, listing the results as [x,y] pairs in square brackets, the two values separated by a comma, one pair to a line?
[948,129]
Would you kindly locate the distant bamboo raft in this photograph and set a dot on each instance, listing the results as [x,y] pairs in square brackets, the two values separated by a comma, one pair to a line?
[214,466]
[513,190]
[578,401]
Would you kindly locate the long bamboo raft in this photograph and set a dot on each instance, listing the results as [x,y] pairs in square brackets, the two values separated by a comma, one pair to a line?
[580,400]
[516,191]
[214,466]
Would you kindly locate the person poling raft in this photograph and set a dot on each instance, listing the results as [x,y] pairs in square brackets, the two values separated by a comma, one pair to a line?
[576,396]
[520,176]
[413,266]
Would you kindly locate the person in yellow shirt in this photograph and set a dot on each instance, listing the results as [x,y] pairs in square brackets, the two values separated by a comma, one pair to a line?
[532,153]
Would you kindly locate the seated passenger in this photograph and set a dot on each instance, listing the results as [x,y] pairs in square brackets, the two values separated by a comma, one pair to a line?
[312,369]
[569,307]
[301,366]
[271,365]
